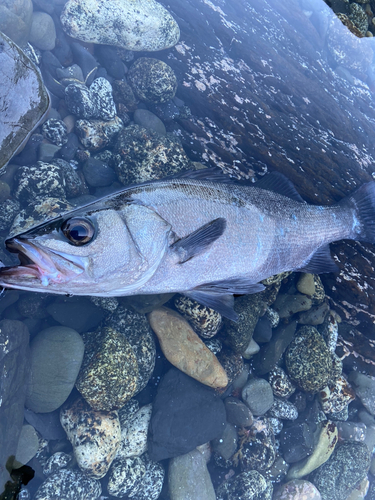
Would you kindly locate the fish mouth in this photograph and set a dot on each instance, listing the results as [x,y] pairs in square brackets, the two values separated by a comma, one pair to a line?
[39,267]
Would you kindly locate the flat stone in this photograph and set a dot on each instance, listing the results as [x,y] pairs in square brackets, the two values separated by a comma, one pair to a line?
[24,101]
[188,477]
[257,394]
[144,26]
[324,448]
[185,350]
[56,357]
[94,435]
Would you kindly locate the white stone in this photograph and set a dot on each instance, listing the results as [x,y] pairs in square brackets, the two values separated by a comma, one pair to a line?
[134,434]
[131,24]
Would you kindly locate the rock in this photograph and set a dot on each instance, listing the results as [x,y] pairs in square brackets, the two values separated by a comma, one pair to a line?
[238,335]
[251,349]
[205,321]
[188,477]
[237,412]
[56,355]
[55,131]
[4,191]
[28,445]
[101,95]
[184,349]
[296,442]
[296,490]
[323,449]
[270,353]
[55,462]
[134,432]
[78,99]
[146,26]
[70,485]
[287,305]
[42,32]
[146,119]
[110,59]
[97,173]
[135,328]
[72,72]
[257,394]
[249,485]
[143,155]
[39,181]
[152,80]
[263,330]
[364,386]
[346,467]
[329,331]
[281,384]
[314,316]
[109,372]
[94,435]
[47,424]
[284,410]
[8,211]
[75,312]
[181,400]
[335,397]
[308,360]
[352,431]
[15,20]
[47,152]
[226,445]
[124,95]
[14,352]
[74,183]
[306,284]
[232,363]
[97,134]
[257,447]
[137,477]
[18,77]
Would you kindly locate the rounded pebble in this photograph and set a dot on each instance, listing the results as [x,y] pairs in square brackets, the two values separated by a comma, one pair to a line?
[152,80]
[257,394]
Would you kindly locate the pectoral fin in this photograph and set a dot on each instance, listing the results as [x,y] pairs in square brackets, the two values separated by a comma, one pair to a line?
[198,241]
[222,303]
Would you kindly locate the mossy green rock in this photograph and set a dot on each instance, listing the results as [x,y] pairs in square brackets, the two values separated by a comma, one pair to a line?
[56,357]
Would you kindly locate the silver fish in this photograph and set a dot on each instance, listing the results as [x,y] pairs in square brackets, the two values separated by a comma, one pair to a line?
[202,238]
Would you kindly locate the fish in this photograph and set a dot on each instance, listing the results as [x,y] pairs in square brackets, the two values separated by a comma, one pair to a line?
[196,234]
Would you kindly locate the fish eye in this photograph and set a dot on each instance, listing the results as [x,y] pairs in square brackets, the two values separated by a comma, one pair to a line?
[78,231]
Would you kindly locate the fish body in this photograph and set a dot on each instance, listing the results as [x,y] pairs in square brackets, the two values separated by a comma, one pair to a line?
[205,239]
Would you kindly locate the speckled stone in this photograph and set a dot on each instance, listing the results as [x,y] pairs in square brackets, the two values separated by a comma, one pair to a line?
[184,349]
[135,328]
[249,485]
[78,100]
[134,432]
[281,384]
[137,477]
[109,371]
[55,131]
[74,183]
[323,449]
[101,95]
[359,18]
[40,180]
[335,397]
[239,334]
[8,211]
[70,485]
[205,321]
[283,409]
[142,155]
[55,462]
[346,467]
[97,134]
[308,360]
[257,448]
[152,80]
[297,490]
[329,331]
[214,345]
[232,363]
[94,435]
[144,26]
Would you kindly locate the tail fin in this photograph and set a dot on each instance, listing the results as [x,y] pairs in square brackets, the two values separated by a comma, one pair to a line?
[363,201]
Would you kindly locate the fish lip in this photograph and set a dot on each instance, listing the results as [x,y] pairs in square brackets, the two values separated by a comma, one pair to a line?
[46,266]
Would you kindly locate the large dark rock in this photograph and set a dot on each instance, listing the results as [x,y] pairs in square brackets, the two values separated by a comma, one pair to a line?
[14,369]
[273,96]
[185,414]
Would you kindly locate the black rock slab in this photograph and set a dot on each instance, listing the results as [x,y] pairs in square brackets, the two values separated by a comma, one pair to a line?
[268,92]
[185,414]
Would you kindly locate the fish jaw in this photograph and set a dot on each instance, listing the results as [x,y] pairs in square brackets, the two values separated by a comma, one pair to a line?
[45,270]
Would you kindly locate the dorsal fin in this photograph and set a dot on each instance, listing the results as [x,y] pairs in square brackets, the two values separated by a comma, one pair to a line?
[280,184]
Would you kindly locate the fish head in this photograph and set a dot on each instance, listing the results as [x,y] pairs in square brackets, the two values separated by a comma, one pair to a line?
[103,252]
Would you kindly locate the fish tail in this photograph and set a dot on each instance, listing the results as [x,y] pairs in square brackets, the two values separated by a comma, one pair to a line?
[363,202]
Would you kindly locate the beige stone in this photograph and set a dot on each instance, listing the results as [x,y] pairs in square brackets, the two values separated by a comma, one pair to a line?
[326,444]
[185,350]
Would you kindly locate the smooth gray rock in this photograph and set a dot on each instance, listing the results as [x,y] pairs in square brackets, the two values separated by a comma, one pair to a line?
[42,32]
[24,100]
[189,478]
[27,447]
[15,19]
[146,119]
[258,396]
[56,357]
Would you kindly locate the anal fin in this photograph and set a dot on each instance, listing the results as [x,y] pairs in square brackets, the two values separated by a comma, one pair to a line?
[320,262]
